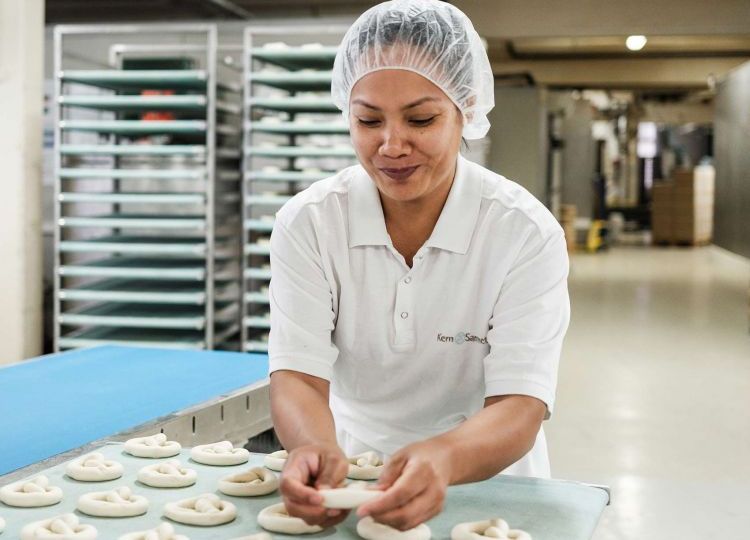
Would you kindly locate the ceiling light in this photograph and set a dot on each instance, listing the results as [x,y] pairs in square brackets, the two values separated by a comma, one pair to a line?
[635,43]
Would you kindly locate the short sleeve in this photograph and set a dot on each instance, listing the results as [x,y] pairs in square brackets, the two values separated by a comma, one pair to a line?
[302,315]
[529,322]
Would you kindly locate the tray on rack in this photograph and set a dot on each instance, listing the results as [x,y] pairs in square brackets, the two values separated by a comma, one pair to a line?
[295,58]
[334,127]
[125,80]
[294,81]
[134,221]
[295,104]
[134,267]
[195,150]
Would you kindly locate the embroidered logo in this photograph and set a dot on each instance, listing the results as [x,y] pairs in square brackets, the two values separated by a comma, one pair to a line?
[461,338]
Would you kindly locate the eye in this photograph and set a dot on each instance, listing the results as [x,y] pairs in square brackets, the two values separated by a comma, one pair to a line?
[368,123]
[422,121]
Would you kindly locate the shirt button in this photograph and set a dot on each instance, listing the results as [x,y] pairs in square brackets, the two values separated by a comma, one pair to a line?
[404,315]
[407,280]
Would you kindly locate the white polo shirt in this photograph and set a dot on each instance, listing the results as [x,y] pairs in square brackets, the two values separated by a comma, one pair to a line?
[412,352]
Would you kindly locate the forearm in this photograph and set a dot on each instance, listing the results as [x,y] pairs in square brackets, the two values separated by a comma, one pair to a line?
[493,439]
[299,410]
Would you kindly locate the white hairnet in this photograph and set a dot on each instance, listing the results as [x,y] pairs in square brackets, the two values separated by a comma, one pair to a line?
[431,38]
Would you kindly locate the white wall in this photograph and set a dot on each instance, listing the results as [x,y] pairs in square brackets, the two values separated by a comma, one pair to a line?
[21,69]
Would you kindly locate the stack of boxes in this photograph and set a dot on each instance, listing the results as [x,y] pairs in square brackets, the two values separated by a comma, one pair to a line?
[682,208]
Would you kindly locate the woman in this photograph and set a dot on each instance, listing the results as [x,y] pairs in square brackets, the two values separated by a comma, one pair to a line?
[418,300]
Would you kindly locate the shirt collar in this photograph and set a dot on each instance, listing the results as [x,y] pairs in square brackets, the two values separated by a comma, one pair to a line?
[453,230]
[366,220]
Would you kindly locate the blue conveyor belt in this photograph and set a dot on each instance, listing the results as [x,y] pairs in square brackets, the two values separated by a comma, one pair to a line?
[62,401]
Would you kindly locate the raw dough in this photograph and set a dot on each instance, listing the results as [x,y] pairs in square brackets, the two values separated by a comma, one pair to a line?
[257,536]
[31,493]
[491,528]
[367,466]
[206,510]
[169,474]
[165,531]
[155,446]
[369,529]
[94,468]
[64,527]
[220,453]
[350,496]
[120,502]
[275,518]
[251,483]
[276,460]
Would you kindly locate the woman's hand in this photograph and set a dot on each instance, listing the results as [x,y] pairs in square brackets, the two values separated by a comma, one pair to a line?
[308,469]
[415,481]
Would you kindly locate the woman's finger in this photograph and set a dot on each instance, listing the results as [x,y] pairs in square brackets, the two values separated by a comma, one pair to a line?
[424,506]
[410,484]
[392,470]
[333,471]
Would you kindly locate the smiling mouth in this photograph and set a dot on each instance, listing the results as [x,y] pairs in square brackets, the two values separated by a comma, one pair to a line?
[400,174]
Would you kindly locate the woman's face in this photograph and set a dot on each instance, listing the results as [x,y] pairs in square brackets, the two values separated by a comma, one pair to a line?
[406,133]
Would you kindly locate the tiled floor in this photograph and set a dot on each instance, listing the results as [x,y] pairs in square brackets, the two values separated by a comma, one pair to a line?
[654,392]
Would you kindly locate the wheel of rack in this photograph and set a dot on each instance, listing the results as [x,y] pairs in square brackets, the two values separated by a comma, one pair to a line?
[293,136]
[147,167]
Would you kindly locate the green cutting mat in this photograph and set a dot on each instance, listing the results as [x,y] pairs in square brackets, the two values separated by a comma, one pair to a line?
[547,509]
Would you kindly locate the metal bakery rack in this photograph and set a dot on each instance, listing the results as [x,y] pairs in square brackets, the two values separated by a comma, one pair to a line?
[147,168]
[293,136]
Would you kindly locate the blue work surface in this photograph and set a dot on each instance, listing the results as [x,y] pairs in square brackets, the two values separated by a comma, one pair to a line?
[62,401]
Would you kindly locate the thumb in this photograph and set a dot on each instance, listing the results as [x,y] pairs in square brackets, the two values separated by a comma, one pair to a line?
[392,471]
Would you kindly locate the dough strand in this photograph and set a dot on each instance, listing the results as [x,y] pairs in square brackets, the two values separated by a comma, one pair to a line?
[165,531]
[349,496]
[206,510]
[275,518]
[63,527]
[154,446]
[365,466]
[94,468]
[32,493]
[369,529]
[488,529]
[168,474]
[276,460]
[251,483]
[120,502]
[221,453]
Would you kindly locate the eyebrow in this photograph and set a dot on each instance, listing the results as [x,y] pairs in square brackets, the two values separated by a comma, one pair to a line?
[409,106]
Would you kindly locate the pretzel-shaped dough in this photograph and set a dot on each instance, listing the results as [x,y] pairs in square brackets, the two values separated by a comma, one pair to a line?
[155,446]
[220,453]
[169,474]
[94,468]
[120,502]
[275,518]
[365,466]
[251,483]
[349,496]
[165,531]
[491,528]
[276,460]
[369,529]
[205,510]
[64,527]
[31,493]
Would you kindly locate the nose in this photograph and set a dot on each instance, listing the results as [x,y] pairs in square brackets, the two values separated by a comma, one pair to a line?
[394,144]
